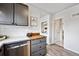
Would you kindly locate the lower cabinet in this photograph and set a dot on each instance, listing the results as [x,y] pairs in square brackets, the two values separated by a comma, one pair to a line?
[38,47]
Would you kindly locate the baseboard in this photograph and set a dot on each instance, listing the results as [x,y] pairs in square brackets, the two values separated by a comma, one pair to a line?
[72,50]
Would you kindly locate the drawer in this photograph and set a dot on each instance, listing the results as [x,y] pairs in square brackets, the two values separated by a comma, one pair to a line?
[40,53]
[43,40]
[38,41]
[38,47]
[35,42]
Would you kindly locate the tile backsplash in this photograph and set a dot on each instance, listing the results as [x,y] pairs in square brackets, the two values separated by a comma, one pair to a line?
[12,31]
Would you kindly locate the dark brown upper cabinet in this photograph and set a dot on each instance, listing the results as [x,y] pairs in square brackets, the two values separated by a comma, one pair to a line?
[21,14]
[14,14]
[6,13]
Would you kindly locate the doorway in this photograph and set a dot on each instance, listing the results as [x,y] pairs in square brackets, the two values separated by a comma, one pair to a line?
[58,32]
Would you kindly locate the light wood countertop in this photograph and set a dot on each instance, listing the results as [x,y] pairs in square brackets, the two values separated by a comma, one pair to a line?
[37,37]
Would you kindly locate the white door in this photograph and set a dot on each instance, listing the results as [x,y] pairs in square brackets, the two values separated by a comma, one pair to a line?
[58,32]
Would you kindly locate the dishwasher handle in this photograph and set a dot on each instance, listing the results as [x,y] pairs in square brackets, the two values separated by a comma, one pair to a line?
[17,46]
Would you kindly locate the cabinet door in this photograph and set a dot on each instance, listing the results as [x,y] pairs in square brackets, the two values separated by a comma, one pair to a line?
[21,14]
[6,13]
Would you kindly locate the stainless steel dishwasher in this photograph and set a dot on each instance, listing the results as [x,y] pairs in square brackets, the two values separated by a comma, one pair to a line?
[15,49]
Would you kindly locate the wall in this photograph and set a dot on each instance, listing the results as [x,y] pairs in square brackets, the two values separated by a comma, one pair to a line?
[71,27]
[51,40]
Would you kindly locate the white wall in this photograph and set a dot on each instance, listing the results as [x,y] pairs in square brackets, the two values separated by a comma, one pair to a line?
[51,38]
[71,27]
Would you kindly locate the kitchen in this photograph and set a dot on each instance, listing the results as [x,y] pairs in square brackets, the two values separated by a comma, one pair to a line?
[39,29]
[18,36]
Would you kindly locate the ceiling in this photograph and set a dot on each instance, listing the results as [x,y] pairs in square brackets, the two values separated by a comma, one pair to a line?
[53,7]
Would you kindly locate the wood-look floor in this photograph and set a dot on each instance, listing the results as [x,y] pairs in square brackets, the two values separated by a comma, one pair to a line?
[55,50]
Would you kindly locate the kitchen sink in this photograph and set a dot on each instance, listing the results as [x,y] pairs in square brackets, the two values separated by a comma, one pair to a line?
[3,37]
